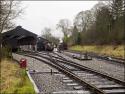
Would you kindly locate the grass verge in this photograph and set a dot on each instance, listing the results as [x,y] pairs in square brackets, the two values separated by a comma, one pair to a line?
[116,51]
[14,79]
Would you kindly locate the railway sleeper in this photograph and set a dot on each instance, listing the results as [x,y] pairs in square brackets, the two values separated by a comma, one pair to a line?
[72,92]
[110,86]
[115,91]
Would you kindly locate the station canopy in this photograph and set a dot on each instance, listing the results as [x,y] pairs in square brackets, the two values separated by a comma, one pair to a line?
[19,36]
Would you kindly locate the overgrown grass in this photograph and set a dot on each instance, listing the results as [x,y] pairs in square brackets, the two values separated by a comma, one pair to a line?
[117,51]
[14,79]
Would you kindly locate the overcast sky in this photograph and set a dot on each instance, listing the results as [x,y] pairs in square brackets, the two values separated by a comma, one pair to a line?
[40,14]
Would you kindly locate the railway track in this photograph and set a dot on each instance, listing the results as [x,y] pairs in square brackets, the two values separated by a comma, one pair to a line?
[114,69]
[84,79]
[102,57]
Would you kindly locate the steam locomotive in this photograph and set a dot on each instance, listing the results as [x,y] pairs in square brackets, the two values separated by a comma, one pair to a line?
[44,45]
[62,46]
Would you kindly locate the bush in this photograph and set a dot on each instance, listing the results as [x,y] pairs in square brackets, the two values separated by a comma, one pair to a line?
[6,52]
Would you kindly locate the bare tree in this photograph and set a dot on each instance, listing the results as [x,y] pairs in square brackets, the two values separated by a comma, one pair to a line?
[46,33]
[64,25]
[83,20]
[9,10]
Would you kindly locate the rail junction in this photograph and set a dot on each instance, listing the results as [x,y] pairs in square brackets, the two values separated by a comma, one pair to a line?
[68,77]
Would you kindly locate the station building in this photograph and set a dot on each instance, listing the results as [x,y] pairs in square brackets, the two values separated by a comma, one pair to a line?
[19,38]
